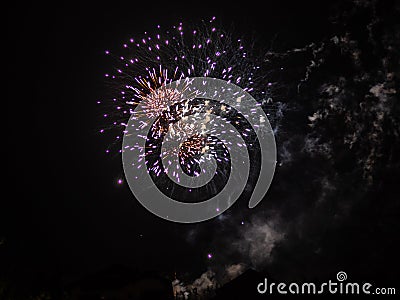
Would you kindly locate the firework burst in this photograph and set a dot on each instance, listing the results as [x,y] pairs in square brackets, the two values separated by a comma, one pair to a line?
[191,130]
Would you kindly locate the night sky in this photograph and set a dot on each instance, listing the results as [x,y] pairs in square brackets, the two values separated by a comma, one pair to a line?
[333,204]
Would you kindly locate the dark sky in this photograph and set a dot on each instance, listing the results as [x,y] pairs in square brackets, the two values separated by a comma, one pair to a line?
[64,213]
